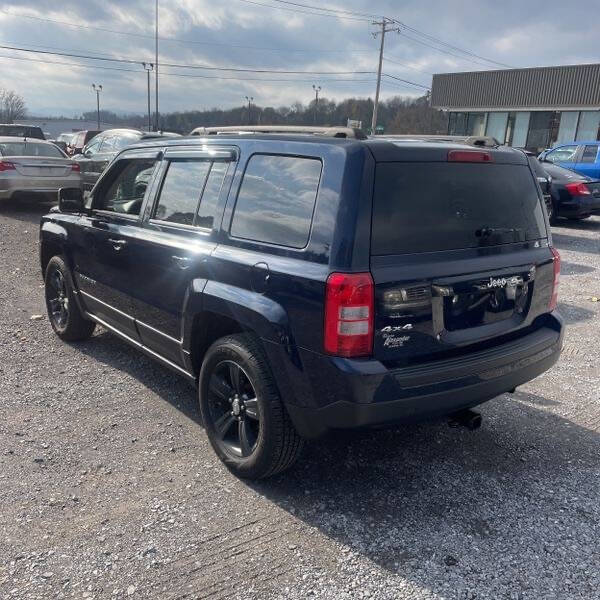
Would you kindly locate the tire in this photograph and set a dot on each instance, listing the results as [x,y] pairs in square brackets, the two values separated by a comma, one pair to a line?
[66,319]
[244,418]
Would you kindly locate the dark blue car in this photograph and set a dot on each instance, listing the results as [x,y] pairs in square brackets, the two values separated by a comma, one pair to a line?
[309,282]
[581,157]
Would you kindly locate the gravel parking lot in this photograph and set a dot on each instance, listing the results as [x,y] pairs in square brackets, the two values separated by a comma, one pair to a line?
[109,489]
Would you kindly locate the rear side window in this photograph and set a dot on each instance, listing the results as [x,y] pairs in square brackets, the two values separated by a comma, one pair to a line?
[431,207]
[210,196]
[276,200]
[589,154]
[181,191]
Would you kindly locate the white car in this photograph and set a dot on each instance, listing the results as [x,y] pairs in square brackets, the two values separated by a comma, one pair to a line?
[35,168]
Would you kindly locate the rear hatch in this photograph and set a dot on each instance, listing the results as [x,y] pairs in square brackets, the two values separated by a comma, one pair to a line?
[41,166]
[459,251]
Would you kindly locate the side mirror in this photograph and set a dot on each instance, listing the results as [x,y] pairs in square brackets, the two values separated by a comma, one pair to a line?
[70,200]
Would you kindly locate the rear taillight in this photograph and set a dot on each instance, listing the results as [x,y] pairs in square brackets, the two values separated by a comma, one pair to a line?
[577,189]
[349,305]
[76,168]
[6,165]
[555,282]
[472,156]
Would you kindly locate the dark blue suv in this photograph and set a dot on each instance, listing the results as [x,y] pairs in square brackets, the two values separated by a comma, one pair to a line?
[307,282]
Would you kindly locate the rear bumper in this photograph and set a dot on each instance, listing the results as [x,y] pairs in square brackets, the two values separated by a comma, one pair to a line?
[40,186]
[583,206]
[354,394]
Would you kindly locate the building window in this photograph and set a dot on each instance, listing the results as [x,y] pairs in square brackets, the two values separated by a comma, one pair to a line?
[589,122]
[543,130]
[458,124]
[568,126]
[520,129]
[475,123]
[496,125]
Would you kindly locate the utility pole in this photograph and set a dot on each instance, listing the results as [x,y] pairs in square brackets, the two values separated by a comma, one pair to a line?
[97,89]
[384,29]
[317,89]
[148,67]
[156,67]
[250,99]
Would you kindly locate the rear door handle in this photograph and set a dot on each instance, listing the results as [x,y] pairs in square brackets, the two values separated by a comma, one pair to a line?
[117,244]
[183,262]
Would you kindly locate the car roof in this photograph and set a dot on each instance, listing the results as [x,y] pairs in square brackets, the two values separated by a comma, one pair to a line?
[577,143]
[407,150]
[18,138]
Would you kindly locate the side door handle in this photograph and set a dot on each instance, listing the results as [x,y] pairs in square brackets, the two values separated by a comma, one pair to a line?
[117,244]
[183,262]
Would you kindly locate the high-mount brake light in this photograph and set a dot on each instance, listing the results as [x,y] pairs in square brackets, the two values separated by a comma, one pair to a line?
[349,318]
[6,165]
[470,156]
[578,189]
[556,280]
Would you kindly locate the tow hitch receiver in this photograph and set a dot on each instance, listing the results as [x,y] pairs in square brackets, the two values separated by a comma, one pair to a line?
[466,418]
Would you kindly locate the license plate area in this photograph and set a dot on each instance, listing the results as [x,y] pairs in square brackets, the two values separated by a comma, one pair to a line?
[483,300]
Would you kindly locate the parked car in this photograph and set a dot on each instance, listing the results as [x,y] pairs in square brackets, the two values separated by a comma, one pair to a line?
[79,141]
[60,144]
[34,168]
[581,157]
[98,153]
[21,131]
[66,137]
[309,283]
[574,196]
[543,178]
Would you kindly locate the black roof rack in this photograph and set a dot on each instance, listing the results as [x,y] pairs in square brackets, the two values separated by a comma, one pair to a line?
[338,132]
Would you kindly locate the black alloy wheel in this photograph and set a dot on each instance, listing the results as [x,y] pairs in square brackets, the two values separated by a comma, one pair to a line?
[57,298]
[233,407]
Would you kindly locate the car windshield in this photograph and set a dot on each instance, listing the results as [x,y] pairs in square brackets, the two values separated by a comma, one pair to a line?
[30,149]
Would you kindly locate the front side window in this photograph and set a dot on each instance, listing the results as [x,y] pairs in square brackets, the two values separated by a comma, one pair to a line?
[181,190]
[276,200]
[560,155]
[125,193]
[589,154]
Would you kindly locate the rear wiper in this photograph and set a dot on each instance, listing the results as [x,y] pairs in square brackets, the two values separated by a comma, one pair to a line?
[489,231]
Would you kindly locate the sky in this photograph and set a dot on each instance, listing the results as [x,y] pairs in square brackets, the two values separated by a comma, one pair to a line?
[435,36]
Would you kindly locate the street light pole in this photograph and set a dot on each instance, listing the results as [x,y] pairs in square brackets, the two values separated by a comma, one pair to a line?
[148,67]
[250,99]
[97,89]
[317,90]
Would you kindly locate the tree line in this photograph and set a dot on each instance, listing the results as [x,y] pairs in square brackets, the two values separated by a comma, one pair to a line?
[396,115]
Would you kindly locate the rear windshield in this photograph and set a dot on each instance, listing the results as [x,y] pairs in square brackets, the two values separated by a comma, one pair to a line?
[21,131]
[430,207]
[30,149]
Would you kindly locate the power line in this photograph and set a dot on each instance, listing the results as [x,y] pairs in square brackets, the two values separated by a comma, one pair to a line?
[184,66]
[406,81]
[335,10]
[306,12]
[402,64]
[183,41]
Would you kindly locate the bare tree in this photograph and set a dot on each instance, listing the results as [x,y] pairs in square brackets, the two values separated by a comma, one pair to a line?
[12,106]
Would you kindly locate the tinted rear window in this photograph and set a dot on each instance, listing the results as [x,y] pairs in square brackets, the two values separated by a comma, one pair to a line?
[276,200]
[430,207]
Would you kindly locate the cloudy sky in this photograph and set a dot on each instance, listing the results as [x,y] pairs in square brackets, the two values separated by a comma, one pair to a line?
[272,35]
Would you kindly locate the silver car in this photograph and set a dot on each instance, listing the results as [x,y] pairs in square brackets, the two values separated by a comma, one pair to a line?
[34,168]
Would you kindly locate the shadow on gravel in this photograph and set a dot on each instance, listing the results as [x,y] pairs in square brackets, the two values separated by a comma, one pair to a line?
[575,243]
[574,313]
[590,224]
[25,209]
[428,497]
[106,348]
[569,268]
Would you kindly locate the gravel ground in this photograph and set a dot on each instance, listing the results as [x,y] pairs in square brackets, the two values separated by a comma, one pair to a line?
[109,489]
